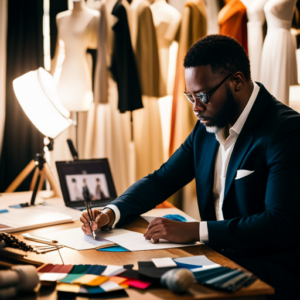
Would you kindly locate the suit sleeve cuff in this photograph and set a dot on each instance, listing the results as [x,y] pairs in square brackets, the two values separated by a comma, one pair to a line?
[203,232]
[117,213]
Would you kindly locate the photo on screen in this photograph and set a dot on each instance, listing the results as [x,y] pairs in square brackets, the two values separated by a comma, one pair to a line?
[96,184]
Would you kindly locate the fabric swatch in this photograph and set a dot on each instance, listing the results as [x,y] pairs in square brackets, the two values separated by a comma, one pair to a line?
[76,272]
[148,269]
[113,270]
[85,279]
[96,269]
[52,276]
[114,249]
[98,280]
[46,268]
[175,217]
[62,269]
[3,211]
[164,262]
[117,279]
[65,287]
[139,284]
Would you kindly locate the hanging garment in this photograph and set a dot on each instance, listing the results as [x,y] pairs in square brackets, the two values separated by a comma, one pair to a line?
[123,63]
[147,129]
[108,131]
[166,20]
[193,27]
[256,17]
[278,60]
[213,8]
[145,47]
[233,21]
[3,31]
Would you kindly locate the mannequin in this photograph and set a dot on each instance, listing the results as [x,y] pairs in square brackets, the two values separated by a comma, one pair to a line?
[256,19]
[77,29]
[166,21]
[278,61]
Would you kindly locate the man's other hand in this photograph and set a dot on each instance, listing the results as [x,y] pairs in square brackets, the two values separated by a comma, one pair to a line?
[102,219]
[172,231]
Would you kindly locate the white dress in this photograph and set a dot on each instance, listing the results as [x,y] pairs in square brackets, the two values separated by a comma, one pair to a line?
[278,61]
[256,19]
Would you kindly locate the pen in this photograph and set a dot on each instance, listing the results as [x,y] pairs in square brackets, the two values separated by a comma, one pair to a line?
[86,195]
[90,214]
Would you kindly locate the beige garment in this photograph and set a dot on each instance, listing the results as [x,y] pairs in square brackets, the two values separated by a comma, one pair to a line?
[145,47]
[147,132]
[193,27]
[108,131]
[3,34]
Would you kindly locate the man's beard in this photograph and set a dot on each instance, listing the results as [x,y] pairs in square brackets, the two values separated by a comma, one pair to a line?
[226,113]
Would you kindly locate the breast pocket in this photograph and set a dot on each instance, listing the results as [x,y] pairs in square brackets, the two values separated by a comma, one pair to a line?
[244,180]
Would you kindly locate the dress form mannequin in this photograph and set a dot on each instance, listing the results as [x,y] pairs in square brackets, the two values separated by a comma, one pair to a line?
[256,19]
[278,61]
[213,8]
[77,29]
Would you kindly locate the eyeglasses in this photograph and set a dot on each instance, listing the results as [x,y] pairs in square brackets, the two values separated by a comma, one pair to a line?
[204,97]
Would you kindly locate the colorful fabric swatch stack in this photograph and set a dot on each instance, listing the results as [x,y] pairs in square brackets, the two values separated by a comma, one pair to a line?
[89,279]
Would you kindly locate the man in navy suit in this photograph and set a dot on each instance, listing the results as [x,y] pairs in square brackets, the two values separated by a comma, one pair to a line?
[244,154]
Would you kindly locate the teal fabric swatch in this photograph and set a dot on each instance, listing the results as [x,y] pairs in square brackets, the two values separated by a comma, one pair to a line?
[95,290]
[114,249]
[2,211]
[77,271]
[175,217]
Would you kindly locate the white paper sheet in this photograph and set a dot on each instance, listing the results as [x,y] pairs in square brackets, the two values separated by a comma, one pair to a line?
[160,212]
[19,219]
[198,260]
[75,238]
[135,241]
[164,262]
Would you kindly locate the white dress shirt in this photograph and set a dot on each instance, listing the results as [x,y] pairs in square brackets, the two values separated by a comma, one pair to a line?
[221,164]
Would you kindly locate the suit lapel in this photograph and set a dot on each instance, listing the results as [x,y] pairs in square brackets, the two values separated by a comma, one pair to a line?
[245,137]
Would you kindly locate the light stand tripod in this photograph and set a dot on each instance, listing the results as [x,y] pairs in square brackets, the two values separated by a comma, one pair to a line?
[42,171]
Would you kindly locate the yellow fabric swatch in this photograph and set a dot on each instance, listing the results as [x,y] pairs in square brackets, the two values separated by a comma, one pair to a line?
[124,285]
[85,279]
[66,287]
[117,280]
[97,281]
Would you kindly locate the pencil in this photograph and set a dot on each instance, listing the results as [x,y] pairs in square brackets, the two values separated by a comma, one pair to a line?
[90,214]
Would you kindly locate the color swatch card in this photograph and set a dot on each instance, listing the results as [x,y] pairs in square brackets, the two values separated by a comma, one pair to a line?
[192,262]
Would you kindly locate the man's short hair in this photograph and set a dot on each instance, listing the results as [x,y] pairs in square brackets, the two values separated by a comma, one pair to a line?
[224,54]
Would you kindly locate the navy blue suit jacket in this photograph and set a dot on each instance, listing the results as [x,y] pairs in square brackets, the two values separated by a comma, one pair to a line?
[262,210]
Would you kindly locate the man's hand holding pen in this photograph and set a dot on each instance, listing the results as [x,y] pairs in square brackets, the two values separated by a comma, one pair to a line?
[102,219]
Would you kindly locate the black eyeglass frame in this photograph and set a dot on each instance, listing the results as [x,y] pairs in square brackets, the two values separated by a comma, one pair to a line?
[204,97]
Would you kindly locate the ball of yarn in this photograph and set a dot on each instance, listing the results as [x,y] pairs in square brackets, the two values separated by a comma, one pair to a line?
[178,280]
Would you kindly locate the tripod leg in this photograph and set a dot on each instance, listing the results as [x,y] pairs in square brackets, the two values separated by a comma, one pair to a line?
[42,179]
[20,178]
[34,178]
[51,179]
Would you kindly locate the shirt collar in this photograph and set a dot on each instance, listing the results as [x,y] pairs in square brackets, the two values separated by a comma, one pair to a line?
[240,122]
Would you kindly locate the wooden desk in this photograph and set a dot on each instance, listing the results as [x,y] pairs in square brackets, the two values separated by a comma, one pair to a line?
[256,291]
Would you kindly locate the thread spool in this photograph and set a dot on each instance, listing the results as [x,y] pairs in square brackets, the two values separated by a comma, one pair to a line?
[178,280]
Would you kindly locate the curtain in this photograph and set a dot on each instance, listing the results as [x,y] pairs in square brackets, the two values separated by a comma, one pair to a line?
[3,30]
[56,6]
[24,53]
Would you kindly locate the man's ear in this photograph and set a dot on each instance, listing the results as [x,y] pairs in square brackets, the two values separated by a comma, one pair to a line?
[238,81]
